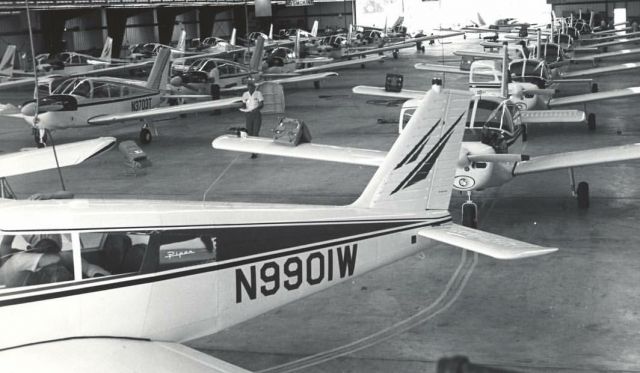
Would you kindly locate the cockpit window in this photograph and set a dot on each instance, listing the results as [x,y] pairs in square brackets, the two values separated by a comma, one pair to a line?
[77,87]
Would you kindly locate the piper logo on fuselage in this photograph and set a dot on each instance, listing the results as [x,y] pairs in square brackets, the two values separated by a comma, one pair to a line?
[270,277]
[141,104]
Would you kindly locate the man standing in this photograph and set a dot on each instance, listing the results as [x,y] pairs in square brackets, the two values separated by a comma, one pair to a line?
[253,102]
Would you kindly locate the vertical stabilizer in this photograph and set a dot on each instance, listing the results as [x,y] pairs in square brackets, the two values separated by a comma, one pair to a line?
[256,59]
[314,29]
[159,74]
[296,45]
[480,20]
[271,32]
[182,42]
[232,41]
[6,65]
[418,171]
[504,86]
[107,50]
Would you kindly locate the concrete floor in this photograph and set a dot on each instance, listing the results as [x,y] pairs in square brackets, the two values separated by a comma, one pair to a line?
[574,310]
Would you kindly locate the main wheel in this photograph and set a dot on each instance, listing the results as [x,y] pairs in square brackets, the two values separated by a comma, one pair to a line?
[594,88]
[316,84]
[583,195]
[41,142]
[395,54]
[145,136]
[591,122]
[470,215]
[423,49]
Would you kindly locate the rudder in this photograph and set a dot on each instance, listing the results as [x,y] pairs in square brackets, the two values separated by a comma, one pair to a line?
[159,74]
[6,65]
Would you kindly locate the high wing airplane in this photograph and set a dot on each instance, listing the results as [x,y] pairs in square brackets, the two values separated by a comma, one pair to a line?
[494,128]
[174,271]
[82,102]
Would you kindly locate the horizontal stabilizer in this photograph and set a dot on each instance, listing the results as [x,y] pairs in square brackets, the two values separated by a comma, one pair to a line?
[601,70]
[196,107]
[261,145]
[489,244]
[479,55]
[380,91]
[497,157]
[70,154]
[578,158]
[598,96]
[552,116]
[113,355]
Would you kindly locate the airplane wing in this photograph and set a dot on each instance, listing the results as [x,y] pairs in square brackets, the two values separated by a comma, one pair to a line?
[578,158]
[212,54]
[485,243]
[195,107]
[608,43]
[70,154]
[602,56]
[262,145]
[113,355]
[598,96]
[439,68]
[485,30]
[479,55]
[379,91]
[285,81]
[339,64]
[17,83]
[552,116]
[601,70]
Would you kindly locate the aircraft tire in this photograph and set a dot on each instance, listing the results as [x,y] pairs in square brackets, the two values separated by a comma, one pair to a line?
[470,215]
[594,88]
[395,55]
[423,49]
[591,122]
[583,195]
[316,84]
[145,136]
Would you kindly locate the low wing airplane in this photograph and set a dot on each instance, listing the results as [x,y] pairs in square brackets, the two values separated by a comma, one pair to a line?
[147,51]
[232,77]
[81,102]
[494,128]
[237,260]
[486,77]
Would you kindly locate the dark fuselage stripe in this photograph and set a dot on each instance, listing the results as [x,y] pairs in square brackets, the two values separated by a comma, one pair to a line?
[99,286]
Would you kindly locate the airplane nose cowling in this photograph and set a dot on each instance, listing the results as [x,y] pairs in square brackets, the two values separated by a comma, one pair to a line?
[29,110]
[176,81]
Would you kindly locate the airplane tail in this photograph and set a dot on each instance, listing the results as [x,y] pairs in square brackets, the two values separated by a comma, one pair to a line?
[296,45]
[418,171]
[159,75]
[504,86]
[256,58]
[271,32]
[349,34]
[232,41]
[107,49]
[480,20]
[6,65]
[314,29]
[592,19]
[182,42]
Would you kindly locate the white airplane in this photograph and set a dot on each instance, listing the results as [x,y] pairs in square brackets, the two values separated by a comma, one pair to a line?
[494,128]
[232,76]
[174,271]
[82,102]
[147,51]
[11,78]
[485,77]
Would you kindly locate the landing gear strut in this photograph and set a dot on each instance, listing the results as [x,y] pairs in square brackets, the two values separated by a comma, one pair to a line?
[40,137]
[591,122]
[470,213]
[581,192]
[145,134]
[316,84]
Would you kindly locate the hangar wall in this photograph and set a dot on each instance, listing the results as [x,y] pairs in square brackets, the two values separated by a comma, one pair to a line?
[86,29]
[604,8]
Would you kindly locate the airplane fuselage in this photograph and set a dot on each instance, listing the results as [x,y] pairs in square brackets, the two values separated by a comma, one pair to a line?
[257,258]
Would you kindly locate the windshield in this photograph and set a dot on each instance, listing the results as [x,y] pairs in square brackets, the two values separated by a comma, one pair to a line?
[76,86]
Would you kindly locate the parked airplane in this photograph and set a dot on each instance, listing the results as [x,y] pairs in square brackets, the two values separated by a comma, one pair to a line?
[146,51]
[231,76]
[219,264]
[81,102]
[494,128]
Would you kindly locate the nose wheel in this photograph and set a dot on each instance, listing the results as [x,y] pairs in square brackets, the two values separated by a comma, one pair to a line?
[470,213]
[581,192]
[145,134]
[40,137]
